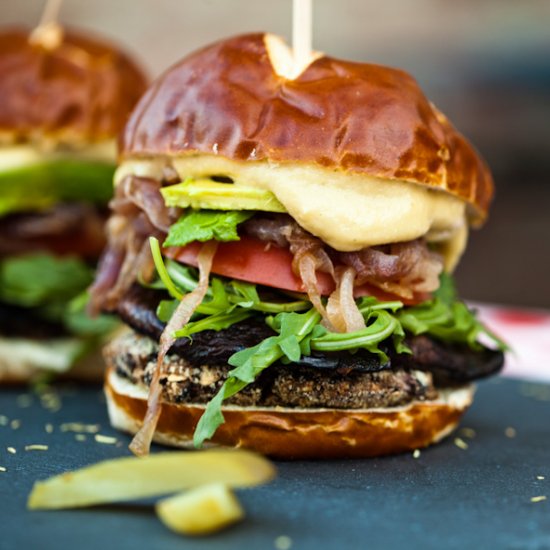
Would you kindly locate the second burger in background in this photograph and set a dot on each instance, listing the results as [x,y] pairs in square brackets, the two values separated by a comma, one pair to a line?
[64,98]
[303,232]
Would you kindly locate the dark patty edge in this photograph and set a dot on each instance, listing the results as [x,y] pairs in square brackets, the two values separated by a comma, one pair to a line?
[133,357]
[448,363]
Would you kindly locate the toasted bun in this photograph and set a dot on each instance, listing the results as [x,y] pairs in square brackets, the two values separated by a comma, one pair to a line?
[80,91]
[296,433]
[22,368]
[228,100]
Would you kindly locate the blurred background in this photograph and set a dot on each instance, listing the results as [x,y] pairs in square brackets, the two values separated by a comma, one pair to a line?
[485,63]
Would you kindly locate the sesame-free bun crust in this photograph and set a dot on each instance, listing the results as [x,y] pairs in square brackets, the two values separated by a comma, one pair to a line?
[228,100]
[80,91]
[296,433]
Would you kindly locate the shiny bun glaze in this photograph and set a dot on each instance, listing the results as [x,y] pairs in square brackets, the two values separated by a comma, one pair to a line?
[228,100]
[81,91]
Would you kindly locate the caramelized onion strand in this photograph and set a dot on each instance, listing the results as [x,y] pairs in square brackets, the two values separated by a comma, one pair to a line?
[142,440]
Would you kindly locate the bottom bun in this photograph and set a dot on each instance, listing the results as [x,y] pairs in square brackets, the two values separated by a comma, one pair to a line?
[24,360]
[291,433]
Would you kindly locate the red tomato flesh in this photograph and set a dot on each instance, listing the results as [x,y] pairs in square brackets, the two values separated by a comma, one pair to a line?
[256,262]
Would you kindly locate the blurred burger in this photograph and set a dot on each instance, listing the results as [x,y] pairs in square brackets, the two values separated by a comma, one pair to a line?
[281,250]
[65,97]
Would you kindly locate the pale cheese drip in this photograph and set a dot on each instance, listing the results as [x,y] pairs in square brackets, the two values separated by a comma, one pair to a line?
[347,211]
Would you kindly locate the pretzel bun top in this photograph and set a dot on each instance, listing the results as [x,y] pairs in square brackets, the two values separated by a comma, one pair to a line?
[229,100]
[80,90]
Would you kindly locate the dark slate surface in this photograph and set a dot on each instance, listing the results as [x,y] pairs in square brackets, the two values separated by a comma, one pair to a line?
[446,498]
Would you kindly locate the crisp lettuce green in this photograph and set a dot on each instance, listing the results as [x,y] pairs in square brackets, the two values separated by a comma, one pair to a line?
[292,328]
[447,319]
[41,185]
[41,279]
[298,334]
[381,326]
[446,291]
[55,289]
[78,322]
[204,225]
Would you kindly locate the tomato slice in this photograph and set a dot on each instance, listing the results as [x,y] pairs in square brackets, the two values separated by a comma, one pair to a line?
[253,261]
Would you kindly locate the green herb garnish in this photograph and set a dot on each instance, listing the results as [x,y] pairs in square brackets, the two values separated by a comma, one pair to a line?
[204,225]
[55,289]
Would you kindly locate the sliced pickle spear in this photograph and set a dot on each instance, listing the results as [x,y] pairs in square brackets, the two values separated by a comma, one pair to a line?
[200,511]
[129,478]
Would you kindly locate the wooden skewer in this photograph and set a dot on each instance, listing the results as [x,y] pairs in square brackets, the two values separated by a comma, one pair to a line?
[301,34]
[48,33]
[50,13]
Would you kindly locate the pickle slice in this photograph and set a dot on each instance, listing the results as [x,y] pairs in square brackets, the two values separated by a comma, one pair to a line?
[200,511]
[154,475]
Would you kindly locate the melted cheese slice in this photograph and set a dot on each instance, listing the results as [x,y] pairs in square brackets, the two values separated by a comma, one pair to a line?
[347,211]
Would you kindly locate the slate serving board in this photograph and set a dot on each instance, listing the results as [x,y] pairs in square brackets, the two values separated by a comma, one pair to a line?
[448,497]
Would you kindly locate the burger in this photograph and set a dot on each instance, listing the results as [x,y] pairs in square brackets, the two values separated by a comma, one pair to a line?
[64,99]
[281,250]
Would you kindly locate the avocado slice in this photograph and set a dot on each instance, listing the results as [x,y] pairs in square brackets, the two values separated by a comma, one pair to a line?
[41,184]
[208,194]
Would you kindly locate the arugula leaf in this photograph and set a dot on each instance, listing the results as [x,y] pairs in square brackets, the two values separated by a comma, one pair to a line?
[217,322]
[56,289]
[447,290]
[249,363]
[298,334]
[161,269]
[381,326]
[398,338]
[185,278]
[217,303]
[166,309]
[366,304]
[452,322]
[204,225]
[80,323]
[292,329]
[249,294]
[42,279]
